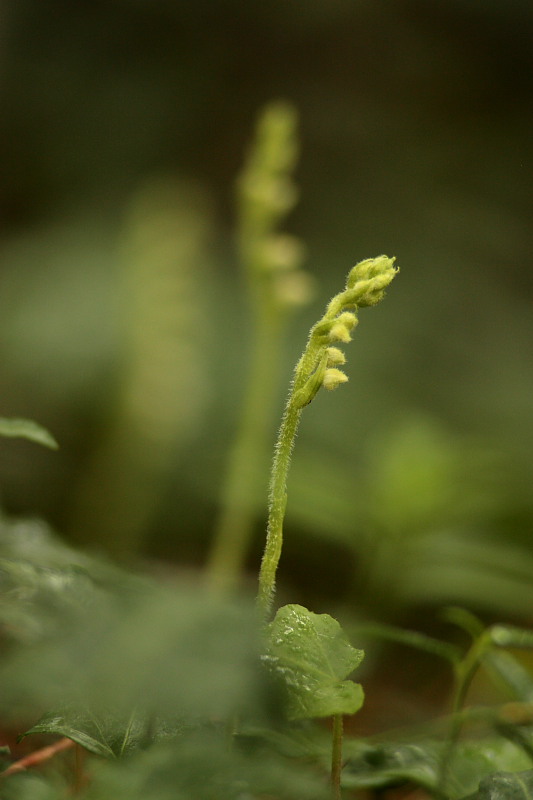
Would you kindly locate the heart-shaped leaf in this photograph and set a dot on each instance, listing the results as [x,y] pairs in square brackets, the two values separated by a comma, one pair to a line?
[312,657]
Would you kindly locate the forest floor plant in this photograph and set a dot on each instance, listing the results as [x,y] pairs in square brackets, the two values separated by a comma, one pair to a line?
[176,693]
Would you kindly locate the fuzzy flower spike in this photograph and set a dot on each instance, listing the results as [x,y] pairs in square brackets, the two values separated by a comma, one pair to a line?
[318,366]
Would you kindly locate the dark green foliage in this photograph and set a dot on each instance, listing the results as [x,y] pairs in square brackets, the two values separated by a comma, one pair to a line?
[123,644]
[141,672]
[147,676]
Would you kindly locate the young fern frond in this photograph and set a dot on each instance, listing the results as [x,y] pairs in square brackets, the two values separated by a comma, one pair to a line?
[318,366]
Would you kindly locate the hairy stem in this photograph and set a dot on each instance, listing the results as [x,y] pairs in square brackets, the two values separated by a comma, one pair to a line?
[277,504]
[317,367]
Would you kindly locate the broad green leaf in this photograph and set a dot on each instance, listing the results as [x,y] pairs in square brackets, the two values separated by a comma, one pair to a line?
[104,734]
[27,429]
[169,651]
[311,655]
[506,786]
[381,765]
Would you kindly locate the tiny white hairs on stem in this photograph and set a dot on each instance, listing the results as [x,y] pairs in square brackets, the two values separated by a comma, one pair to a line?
[318,367]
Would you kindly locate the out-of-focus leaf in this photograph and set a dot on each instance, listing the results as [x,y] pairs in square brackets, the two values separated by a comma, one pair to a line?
[378,766]
[506,786]
[30,786]
[414,469]
[464,619]
[312,656]
[105,734]
[506,669]
[32,540]
[35,601]
[167,651]
[509,636]
[482,572]
[420,641]
[27,429]
[201,766]
[302,740]
[4,757]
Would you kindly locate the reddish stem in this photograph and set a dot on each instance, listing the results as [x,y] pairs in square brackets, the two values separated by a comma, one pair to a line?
[38,757]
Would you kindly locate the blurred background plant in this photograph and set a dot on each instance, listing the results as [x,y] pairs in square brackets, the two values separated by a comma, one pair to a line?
[122,313]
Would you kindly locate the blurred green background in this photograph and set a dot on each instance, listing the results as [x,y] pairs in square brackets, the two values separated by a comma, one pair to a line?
[123,324]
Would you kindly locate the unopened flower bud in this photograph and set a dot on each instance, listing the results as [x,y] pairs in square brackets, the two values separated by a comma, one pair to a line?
[333,378]
[294,288]
[342,325]
[335,356]
[282,252]
[369,268]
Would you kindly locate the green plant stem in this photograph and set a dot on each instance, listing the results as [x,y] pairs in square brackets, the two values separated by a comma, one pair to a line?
[79,769]
[464,674]
[277,505]
[278,482]
[270,262]
[248,459]
[336,756]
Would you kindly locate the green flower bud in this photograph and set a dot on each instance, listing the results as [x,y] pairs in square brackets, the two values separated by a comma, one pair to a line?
[282,252]
[335,357]
[333,378]
[369,268]
[293,288]
[375,291]
[341,327]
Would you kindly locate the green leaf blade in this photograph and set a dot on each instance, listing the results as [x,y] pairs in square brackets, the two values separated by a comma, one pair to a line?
[506,786]
[27,429]
[312,657]
[109,735]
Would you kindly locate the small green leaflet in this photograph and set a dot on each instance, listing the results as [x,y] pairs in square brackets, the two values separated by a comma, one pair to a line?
[27,429]
[312,657]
